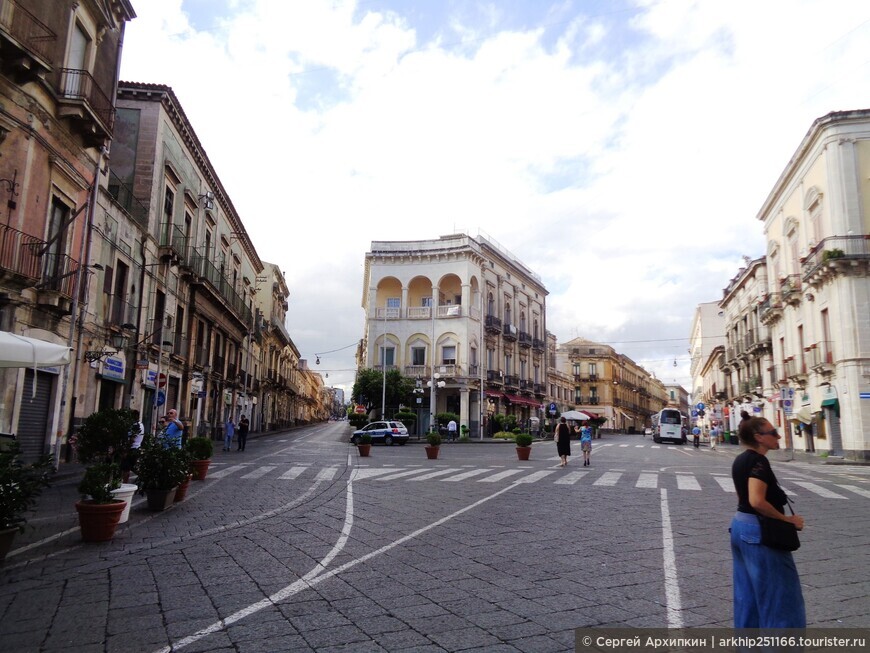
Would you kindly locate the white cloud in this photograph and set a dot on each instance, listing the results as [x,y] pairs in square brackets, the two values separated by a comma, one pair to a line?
[624,160]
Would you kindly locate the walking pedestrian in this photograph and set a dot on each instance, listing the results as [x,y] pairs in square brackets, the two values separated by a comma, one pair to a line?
[562,436]
[714,437]
[243,433]
[767,589]
[451,430]
[586,445]
[229,432]
[137,433]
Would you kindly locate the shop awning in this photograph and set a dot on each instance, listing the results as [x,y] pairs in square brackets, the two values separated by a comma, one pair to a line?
[494,394]
[590,415]
[522,401]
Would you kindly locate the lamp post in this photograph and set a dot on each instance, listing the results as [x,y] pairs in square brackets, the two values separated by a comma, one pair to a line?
[434,383]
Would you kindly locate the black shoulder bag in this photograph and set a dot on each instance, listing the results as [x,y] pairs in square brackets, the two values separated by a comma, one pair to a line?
[778,534]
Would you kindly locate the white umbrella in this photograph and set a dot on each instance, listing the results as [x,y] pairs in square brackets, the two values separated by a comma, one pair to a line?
[576,415]
[21,351]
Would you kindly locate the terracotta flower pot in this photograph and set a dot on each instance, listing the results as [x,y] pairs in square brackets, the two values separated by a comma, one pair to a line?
[200,469]
[6,537]
[159,500]
[181,490]
[98,521]
[523,453]
[364,450]
[432,452]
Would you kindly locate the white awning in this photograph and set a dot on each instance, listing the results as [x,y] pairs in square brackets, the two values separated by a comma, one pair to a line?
[21,351]
[803,415]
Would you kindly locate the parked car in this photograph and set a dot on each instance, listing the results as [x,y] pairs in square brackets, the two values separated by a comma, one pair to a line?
[387,432]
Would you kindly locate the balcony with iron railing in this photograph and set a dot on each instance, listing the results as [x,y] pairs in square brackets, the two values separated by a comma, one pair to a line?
[494,376]
[538,344]
[525,339]
[837,255]
[526,385]
[27,41]
[509,332]
[770,308]
[173,243]
[758,341]
[796,368]
[57,282]
[19,254]
[539,388]
[821,356]
[179,345]
[120,311]
[473,370]
[206,271]
[88,106]
[511,380]
[492,324]
[123,196]
[790,289]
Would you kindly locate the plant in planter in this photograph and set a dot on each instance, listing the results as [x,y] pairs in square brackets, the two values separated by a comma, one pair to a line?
[200,450]
[524,445]
[99,511]
[20,486]
[160,471]
[434,445]
[364,445]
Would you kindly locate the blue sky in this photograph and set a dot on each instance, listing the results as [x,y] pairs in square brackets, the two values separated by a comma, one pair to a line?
[619,149]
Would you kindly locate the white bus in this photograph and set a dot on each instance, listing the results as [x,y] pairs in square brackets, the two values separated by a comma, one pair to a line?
[668,426]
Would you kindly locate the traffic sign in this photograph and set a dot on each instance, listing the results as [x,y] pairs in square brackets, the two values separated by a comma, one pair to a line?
[160,398]
[161,380]
[700,406]
[360,410]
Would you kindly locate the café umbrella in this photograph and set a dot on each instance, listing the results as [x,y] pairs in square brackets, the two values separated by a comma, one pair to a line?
[576,415]
[21,351]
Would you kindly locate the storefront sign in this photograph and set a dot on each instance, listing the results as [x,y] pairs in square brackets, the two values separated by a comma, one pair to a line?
[114,368]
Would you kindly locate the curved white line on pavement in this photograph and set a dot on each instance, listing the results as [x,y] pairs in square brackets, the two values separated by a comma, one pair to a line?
[672,585]
[312,579]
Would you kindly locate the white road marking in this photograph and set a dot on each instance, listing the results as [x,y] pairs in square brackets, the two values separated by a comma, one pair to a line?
[500,476]
[856,490]
[260,471]
[818,489]
[440,472]
[292,473]
[533,478]
[672,584]
[687,482]
[725,483]
[608,478]
[464,475]
[647,480]
[227,471]
[401,474]
[326,474]
[571,478]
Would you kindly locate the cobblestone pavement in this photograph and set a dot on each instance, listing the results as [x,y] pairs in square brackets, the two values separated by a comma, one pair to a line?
[297,544]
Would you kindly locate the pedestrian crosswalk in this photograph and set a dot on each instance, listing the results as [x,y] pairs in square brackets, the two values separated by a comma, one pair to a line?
[687,481]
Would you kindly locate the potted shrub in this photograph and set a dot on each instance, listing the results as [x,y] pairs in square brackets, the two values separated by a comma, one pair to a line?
[364,445]
[106,437]
[99,511]
[160,471]
[20,486]
[524,445]
[433,445]
[200,450]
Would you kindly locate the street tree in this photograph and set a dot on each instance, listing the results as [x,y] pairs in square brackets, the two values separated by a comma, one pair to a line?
[368,389]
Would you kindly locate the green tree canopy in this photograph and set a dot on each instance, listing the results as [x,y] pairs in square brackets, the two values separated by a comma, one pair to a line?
[369,387]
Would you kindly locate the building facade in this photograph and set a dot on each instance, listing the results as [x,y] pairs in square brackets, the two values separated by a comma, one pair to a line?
[463,318]
[58,74]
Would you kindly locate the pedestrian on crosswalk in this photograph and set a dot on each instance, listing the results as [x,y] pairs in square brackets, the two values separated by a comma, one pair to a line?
[562,436]
[243,432]
[586,445]
[229,432]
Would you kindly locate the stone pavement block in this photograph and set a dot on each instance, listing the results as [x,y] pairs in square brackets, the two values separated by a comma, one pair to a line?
[299,606]
[180,627]
[316,621]
[540,644]
[356,647]
[462,638]
[128,620]
[495,618]
[380,624]
[427,609]
[136,641]
[295,643]
[135,600]
[438,624]
[522,629]
[22,641]
[255,628]
[341,635]
[501,648]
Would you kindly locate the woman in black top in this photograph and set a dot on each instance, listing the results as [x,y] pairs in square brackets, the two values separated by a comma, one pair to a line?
[767,590]
[563,441]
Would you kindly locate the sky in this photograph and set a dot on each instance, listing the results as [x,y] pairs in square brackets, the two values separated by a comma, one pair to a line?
[621,149]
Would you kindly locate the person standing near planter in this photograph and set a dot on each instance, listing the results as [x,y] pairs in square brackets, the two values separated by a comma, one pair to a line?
[451,430]
[229,431]
[137,433]
[562,435]
[243,432]
[174,430]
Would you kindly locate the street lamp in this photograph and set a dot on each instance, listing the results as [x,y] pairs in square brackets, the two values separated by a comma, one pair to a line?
[433,384]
